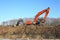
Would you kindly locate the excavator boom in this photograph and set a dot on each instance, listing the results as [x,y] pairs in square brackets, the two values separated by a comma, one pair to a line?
[41,12]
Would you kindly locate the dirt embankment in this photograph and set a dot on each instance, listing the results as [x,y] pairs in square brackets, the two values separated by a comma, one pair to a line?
[30,31]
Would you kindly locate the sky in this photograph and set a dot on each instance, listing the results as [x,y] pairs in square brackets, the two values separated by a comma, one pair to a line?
[15,9]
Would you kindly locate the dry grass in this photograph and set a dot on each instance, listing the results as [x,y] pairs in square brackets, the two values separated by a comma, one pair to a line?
[30,31]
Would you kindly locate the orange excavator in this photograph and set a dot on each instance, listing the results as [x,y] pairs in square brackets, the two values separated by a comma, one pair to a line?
[36,19]
[46,11]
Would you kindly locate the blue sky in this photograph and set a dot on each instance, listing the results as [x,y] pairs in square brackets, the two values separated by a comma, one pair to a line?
[14,9]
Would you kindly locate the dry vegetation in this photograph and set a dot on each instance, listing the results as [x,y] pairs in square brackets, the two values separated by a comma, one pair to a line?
[31,31]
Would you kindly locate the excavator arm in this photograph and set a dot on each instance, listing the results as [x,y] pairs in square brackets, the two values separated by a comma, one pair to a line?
[41,12]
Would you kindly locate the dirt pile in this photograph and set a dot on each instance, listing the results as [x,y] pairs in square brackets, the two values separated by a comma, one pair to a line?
[30,31]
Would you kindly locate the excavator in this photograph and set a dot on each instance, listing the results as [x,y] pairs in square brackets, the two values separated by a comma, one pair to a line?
[36,19]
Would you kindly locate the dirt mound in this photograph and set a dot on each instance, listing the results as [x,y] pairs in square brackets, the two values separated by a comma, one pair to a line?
[30,31]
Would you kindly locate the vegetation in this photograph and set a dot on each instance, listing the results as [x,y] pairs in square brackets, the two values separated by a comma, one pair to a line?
[31,31]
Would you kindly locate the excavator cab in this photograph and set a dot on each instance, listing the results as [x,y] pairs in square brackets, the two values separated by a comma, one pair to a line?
[40,20]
